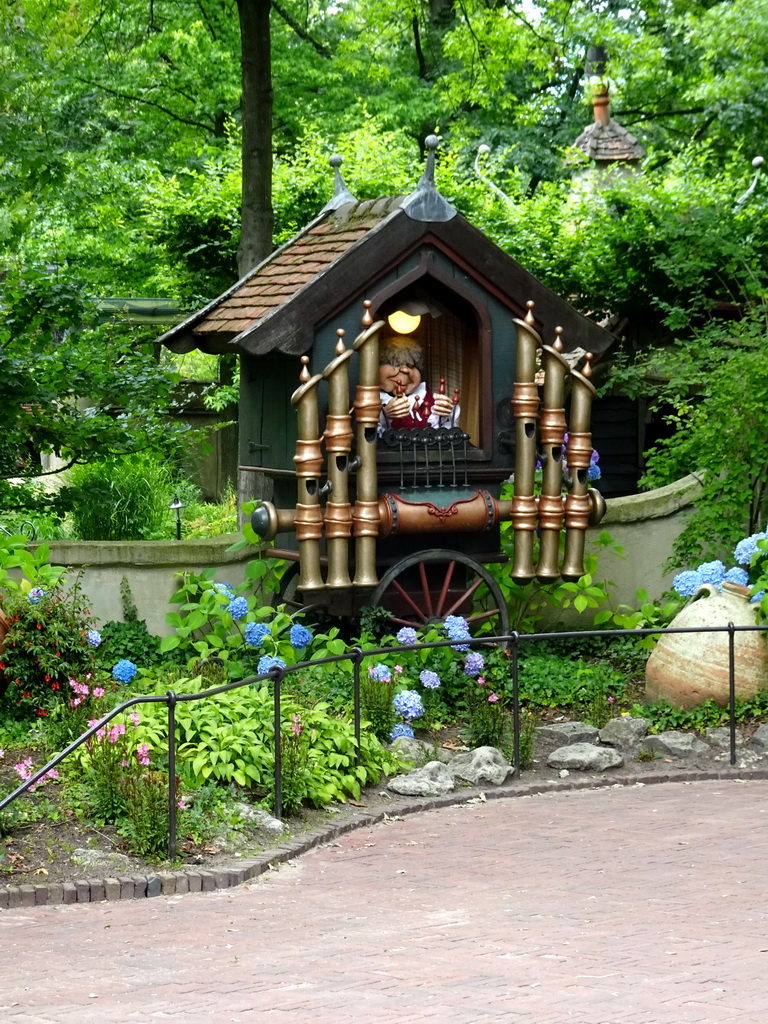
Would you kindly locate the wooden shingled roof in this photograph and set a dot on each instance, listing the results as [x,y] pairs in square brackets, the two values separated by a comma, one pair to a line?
[341,256]
[609,143]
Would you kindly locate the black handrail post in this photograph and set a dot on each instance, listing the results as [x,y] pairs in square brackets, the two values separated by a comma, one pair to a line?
[357,659]
[732,690]
[514,646]
[276,674]
[172,801]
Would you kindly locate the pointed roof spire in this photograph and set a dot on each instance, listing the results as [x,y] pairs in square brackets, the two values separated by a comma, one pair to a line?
[341,194]
[425,203]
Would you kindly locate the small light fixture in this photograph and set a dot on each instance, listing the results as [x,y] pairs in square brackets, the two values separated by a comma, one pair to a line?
[177,505]
[402,322]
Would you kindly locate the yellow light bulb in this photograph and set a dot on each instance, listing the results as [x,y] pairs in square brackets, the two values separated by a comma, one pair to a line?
[403,323]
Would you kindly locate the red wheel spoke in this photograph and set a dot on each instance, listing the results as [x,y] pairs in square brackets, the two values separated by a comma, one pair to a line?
[407,597]
[425,588]
[464,597]
[404,622]
[482,614]
[444,591]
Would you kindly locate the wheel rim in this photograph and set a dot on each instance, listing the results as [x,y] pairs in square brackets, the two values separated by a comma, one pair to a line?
[426,588]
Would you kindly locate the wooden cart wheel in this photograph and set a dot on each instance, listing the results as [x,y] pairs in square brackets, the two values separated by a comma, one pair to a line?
[429,586]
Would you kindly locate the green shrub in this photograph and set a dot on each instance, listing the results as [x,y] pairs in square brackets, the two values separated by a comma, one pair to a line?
[122,499]
[547,681]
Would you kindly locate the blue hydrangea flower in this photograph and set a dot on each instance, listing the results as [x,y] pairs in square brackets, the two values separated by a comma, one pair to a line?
[737,575]
[380,673]
[429,680]
[757,598]
[401,729]
[268,662]
[408,704]
[407,635]
[35,594]
[747,547]
[255,632]
[124,671]
[712,572]
[224,588]
[300,637]
[474,663]
[594,472]
[687,583]
[238,607]
[457,629]
[93,636]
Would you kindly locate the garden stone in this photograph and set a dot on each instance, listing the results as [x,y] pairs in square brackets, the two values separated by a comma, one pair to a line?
[584,757]
[624,733]
[419,751]
[719,737]
[563,733]
[484,764]
[100,860]
[434,779]
[759,741]
[264,821]
[676,744]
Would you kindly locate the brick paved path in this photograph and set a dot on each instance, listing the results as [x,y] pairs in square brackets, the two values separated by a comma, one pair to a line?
[619,906]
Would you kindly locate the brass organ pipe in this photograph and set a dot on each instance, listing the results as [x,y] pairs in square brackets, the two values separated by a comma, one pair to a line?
[367,407]
[309,463]
[577,503]
[525,406]
[338,445]
[552,425]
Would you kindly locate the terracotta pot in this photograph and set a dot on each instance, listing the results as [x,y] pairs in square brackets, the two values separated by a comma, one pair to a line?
[688,668]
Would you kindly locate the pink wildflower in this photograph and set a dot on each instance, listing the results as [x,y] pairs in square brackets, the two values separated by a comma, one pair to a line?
[99,691]
[492,698]
[297,728]
[398,669]
[481,681]
[142,753]
[134,717]
[182,804]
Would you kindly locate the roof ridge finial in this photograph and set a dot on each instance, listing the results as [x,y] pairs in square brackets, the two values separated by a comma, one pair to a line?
[341,194]
[425,203]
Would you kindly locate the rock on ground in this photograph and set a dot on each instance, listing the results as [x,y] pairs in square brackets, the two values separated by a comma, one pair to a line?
[484,764]
[434,779]
[676,744]
[582,757]
[101,860]
[624,733]
[419,751]
[563,733]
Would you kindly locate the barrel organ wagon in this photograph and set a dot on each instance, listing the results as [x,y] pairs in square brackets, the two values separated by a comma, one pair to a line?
[388,460]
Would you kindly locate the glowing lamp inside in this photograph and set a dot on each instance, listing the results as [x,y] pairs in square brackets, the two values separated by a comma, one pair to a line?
[402,322]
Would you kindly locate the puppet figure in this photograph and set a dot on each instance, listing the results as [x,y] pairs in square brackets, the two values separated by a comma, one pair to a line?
[406,401]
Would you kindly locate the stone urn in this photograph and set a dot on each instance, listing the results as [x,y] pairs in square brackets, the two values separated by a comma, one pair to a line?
[688,668]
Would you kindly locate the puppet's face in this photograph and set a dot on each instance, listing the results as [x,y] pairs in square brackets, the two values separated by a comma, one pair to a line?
[408,376]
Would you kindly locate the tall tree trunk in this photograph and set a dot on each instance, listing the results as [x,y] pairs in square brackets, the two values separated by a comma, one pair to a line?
[256,107]
[256,218]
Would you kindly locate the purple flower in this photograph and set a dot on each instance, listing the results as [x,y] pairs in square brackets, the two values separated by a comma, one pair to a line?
[267,662]
[712,572]
[124,671]
[255,632]
[408,704]
[300,637]
[687,583]
[93,636]
[407,635]
[429,680]
[238,607]
[474,663]
[401,729]
[457,629]
[737,575]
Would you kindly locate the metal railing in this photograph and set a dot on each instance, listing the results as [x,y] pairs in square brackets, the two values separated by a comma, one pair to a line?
[357,656]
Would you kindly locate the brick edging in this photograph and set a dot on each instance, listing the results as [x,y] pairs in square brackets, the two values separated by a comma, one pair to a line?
[171,883]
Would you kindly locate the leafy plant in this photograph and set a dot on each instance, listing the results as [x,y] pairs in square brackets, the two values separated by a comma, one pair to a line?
[121,499]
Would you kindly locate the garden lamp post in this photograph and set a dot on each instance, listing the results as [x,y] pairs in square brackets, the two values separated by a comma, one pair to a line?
[177,505]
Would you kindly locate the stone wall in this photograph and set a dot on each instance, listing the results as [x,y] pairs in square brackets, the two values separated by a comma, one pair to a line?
[645,525]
